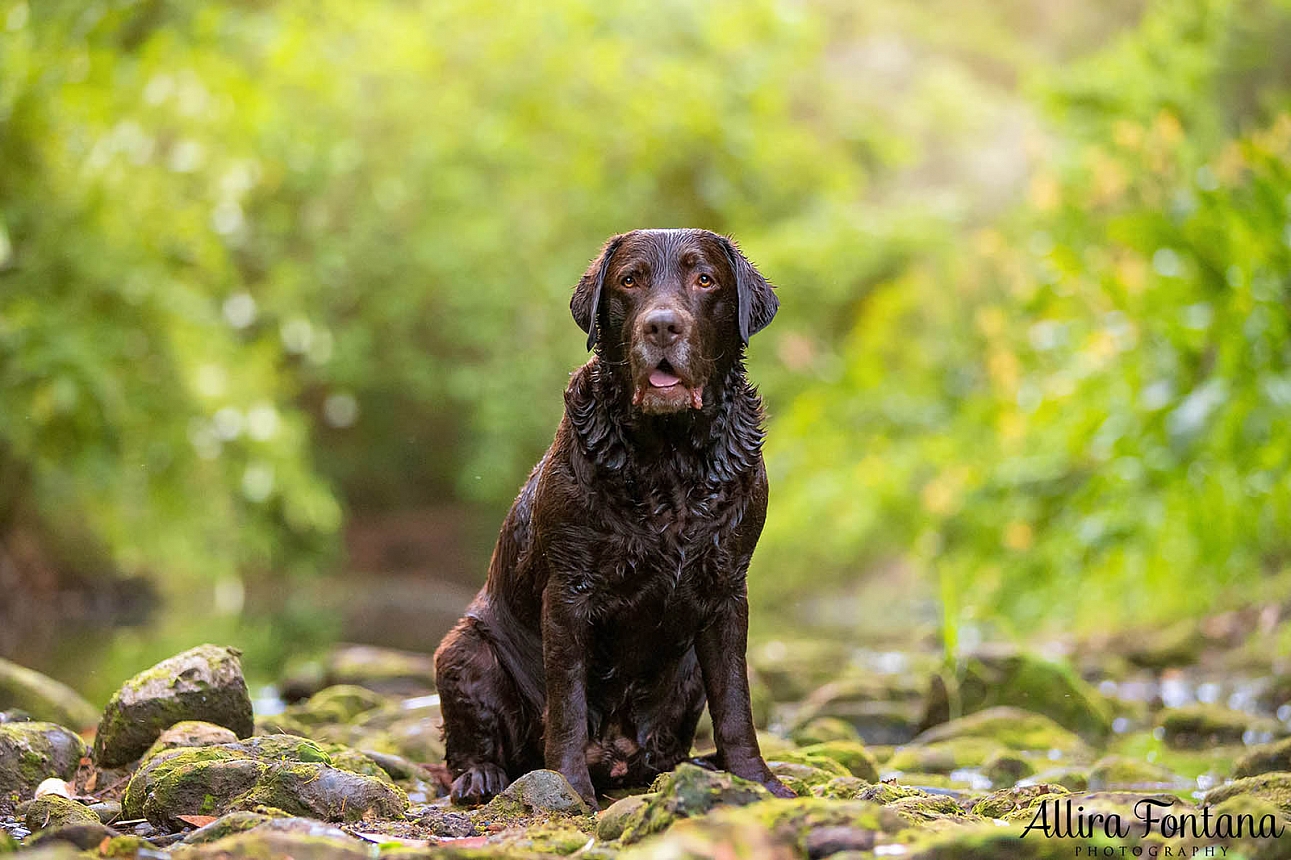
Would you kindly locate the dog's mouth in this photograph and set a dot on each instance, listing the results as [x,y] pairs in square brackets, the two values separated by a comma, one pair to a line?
[664,391]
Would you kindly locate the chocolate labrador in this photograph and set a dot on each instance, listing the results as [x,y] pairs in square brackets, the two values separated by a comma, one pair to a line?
[615,603]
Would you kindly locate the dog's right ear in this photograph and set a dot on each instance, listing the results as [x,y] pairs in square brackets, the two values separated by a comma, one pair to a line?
[587,295]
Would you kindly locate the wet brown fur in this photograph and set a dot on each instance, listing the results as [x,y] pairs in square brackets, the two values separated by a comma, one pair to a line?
[615,602]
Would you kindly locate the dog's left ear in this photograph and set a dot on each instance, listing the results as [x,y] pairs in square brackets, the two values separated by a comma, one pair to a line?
[757,299]
[587,294]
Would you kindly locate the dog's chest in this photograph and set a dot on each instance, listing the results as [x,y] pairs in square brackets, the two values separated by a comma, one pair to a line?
[668,549]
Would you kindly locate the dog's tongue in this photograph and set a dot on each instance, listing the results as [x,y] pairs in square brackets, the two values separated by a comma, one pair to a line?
[663,379]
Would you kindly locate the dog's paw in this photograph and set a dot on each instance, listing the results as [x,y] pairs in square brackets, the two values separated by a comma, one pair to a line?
[479,784]
[778,788]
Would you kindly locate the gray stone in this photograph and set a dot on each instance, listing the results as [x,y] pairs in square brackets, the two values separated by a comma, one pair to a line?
[30,753]
[204,684]
[541,791]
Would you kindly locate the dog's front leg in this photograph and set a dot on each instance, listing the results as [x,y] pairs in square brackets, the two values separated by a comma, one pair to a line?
[564,656]
[720,647]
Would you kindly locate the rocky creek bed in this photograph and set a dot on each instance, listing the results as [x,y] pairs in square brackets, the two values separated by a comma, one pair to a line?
[891,755]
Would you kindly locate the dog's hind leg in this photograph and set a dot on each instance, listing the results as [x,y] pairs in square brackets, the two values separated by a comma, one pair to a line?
[485,716]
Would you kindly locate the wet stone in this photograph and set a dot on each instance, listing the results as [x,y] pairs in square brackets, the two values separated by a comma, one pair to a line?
[204,684]
[55,811]
[1265,759]
[537,792]
[30,753]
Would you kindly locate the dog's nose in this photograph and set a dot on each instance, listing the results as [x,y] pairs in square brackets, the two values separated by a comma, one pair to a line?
[663,326]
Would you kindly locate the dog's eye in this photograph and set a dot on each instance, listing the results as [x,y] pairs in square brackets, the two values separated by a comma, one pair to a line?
[628,281]
[704,281]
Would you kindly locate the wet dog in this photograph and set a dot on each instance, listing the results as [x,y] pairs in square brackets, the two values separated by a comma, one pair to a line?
[615,604]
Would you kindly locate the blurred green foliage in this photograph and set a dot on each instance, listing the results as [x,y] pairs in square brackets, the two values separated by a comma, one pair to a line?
[1081,413]
[263,261]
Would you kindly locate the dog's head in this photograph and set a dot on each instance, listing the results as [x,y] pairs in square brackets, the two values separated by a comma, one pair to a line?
[671,311]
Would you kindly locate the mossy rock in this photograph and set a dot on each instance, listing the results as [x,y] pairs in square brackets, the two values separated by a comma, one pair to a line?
[8,844]
[85,835]
[1119,772]
[165,763]
[841,788]
[190,733]
[704,840]
[336,705]
[1264,759]
[539,792]
[684,793]
[1070,778]
[43,698]
[201,788]
[852,755]
[1088,804]
[227,825]
[776,829]
[323,792]
[944,757]
[929,809]
[283,772]
[820,730]
[1005,677]
[612,820]
[796,821]
[204,683]
[30,753]
[823,768]
[1014,728]
[1007,801]
[1274,788]
[884,793]
[383,670]
[52,810]
[802,779]
[1253,815]
[792,669]
[280,839]
[991,842]
[882,709]
[126,846]
[1007,767]
[1198,726]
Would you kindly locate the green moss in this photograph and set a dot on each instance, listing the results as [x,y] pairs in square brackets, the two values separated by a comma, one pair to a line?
[177,689]
[324,792]
[1008,678]
[852,755]
[993,843]
[1017,729]
[125,846]
[1274,788]
[32,752]
[999,804]
[201,788]
[685,792]
[1006,767]
[811,769]
[1197,726]
[929,808]
[824,729]
[841,788]
[164,763]
[53,811]
[945,756]
[7,843]
[1265,759]
[884,793]
[1113,772]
